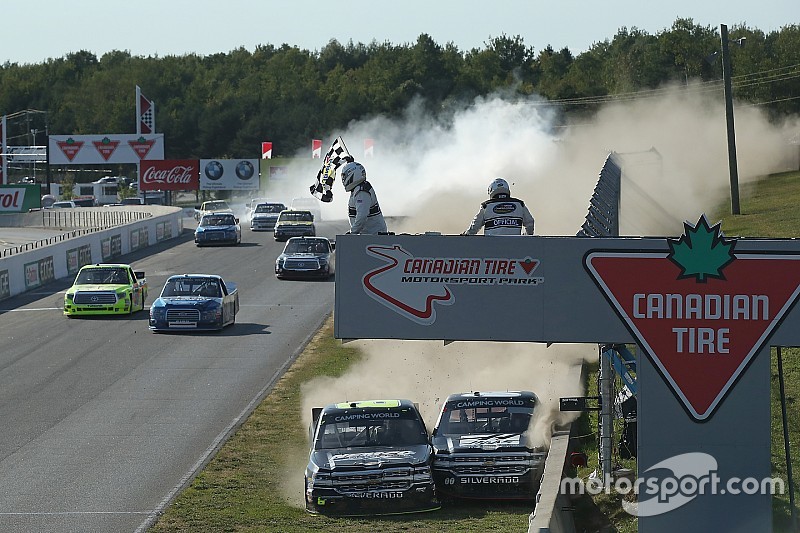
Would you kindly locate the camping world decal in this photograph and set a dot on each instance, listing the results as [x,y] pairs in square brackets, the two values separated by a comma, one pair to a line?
[700,311]
[414,286]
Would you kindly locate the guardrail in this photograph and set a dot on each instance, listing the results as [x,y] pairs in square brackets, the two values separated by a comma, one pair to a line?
[6,252]
[83,220]
[28,266]
[90,218]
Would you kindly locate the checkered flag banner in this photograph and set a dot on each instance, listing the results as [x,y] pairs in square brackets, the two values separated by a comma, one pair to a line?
[336,157]
[145,114]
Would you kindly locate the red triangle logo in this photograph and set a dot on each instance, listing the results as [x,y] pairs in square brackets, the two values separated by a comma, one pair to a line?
[528,265]
[70,147]
[700,335]
[106,147]
[142,146]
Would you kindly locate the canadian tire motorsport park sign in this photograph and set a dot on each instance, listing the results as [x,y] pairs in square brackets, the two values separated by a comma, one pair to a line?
[703,308]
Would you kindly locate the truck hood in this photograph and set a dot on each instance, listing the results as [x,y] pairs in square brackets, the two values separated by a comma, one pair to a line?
[371,457]
[481,442]
[105,287]
[190,302]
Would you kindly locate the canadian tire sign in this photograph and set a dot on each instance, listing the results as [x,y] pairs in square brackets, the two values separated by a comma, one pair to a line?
[700,311]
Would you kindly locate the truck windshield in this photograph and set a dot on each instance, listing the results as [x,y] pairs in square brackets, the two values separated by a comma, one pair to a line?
[102,276]
[186,286]
[297,216]
[370,432]
[472,420]
[218,220]
[270,208]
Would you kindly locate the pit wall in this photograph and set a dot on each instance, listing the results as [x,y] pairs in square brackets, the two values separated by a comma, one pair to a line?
[553,513]
[30,270]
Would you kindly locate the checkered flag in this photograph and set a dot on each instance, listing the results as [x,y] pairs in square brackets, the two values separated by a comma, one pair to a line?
[336,157]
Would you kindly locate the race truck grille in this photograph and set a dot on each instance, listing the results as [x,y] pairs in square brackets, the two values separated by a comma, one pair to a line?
[494,469]
[85,297]
[496,458]
[495,464]
[301,264]
[191,315]
[372,480]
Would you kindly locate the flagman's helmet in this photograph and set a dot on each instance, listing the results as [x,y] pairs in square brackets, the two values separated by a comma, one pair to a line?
[497,187]
[353,173]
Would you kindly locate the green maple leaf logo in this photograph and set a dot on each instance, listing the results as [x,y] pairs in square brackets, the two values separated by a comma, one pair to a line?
[702,251]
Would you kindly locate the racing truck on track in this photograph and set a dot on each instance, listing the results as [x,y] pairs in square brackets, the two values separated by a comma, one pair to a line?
[369,457]
[482,447]
[106,289]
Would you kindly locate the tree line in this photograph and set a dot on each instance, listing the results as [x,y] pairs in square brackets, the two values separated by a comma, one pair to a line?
[226,104]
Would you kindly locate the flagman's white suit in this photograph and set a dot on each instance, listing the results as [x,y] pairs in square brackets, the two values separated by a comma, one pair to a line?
[502,215]
[364,210]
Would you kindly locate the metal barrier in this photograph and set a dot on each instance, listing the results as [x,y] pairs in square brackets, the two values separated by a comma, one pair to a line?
[90,218]
[85,221]
[48,241]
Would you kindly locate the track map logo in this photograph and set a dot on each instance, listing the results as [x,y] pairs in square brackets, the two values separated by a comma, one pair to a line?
[414,286]
[700,311]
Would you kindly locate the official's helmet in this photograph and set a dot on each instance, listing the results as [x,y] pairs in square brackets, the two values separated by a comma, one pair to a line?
[353,173]
[497,187]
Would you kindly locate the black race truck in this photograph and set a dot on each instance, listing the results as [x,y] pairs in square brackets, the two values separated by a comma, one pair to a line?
[369,457]
[482,447]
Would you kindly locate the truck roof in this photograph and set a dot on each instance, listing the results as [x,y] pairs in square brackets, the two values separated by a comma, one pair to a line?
[369,405]
[526,396]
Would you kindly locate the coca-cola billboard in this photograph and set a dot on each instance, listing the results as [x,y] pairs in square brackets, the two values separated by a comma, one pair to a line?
[169,175]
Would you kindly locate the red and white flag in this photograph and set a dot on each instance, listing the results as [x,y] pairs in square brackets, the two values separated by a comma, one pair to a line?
[145,114]
[266,150]
[316,148]
[369,144]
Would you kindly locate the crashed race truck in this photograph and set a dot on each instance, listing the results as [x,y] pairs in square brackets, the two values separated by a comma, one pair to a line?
[369,457]
[482,447]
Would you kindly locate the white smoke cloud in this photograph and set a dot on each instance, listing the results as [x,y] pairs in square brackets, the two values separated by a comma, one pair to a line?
[434,173]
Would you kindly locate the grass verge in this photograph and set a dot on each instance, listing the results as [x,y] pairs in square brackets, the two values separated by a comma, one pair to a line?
[255,481]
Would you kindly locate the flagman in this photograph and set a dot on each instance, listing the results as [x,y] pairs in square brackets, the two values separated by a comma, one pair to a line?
[501,214]
[362,208]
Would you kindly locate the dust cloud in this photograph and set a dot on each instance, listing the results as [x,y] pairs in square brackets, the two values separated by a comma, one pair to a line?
[433,171]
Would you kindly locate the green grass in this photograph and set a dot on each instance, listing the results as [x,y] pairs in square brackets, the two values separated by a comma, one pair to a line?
[255,481]
[253,484]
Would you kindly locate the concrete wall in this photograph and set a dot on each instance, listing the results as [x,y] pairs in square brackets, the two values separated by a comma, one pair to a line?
[29,270]
[553,512]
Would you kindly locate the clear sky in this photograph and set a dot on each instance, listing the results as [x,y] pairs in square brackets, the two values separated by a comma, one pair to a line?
[34,31]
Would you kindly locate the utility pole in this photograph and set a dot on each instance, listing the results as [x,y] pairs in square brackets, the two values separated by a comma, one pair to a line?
[726,77]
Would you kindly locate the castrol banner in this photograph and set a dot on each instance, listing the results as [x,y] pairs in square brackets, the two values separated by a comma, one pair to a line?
[20,198]
[169,175]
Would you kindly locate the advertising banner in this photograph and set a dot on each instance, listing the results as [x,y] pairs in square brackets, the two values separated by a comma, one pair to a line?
[2,149]
[111,247]
[229,174]
[39,272]
[169,175]
[20,198]
[5,285]
[105,148]
[78,257]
